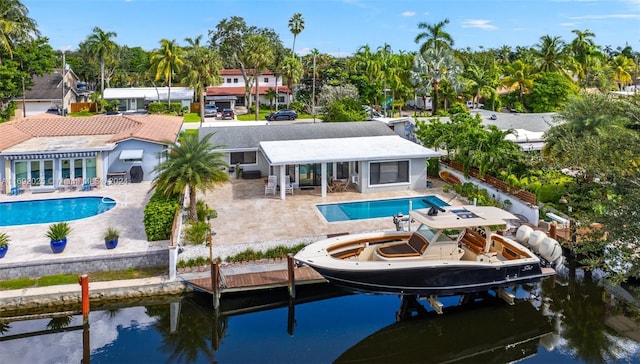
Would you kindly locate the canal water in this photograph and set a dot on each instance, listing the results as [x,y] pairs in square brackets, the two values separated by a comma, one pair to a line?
[576,320]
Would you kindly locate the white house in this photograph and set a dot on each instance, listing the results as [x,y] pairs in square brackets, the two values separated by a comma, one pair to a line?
[231,92]
[137,98]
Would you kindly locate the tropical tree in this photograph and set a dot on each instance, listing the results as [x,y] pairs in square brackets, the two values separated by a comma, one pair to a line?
[296,26]
[271,95]
[101,47]
[519,75]
[550,56]
[292,71]
[584,52]
[432,67]
[167,61]
[259,56]
[481,79]
[434,37]
[191,163]
[366,63]
[15,25]
[203,67]
[622,68]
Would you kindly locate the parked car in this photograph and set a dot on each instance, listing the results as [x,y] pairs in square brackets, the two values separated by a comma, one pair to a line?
[474,105]
[210,111]
[282,115]
[228,114]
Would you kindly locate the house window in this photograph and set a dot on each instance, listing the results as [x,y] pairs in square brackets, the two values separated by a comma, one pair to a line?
[342,170]
[243,158]
[266,80]
[235,80]
[280,99]
[389,172]
[228,80]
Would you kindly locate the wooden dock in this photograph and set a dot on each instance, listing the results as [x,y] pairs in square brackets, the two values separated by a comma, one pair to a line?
[258,280]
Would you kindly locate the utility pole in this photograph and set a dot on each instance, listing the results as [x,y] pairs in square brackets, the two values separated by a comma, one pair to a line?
[63,73]
[313,97]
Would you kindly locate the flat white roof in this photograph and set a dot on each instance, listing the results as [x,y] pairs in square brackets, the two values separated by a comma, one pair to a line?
[388,147]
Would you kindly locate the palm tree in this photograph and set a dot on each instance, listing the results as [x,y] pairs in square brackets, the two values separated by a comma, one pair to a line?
[101,46]
[622,68]
[519,75]
[480,79]
[166,61]
[15,25]
[435,36]
[191,163]
[259,56]
[292,70]
[271,95]
[430,68]
[367,63]
[583,50]
[203,65]
[550,54]
[296,26]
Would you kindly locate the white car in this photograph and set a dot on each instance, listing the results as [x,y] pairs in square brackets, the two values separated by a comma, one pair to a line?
[476,105]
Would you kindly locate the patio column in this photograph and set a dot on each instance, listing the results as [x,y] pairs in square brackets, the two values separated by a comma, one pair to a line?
[283,190]
[99,172]
[323,180]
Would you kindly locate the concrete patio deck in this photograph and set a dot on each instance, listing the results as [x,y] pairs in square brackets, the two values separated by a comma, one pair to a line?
[246,218]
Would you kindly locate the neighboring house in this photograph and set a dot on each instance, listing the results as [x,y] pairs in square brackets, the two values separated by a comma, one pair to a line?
[137,98]
[231,92]
[403,126]
[368,154]
[44,152]
[46,94]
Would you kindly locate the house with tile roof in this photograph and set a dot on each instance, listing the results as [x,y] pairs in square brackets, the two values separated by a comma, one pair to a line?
[43,153]
[231,92]
[47,91]
[370,155]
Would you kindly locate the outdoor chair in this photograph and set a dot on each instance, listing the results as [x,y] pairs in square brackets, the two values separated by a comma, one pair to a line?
[270,187]
[288,186]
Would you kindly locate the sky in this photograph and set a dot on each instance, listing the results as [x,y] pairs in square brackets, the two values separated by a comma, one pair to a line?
[340,27]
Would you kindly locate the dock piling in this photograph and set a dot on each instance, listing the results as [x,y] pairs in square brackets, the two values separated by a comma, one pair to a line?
[83,280]
[291,276]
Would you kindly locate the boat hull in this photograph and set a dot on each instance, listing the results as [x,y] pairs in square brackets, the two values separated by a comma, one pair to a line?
[441,280]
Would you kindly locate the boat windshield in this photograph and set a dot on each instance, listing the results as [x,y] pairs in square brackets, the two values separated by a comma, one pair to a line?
[433,235]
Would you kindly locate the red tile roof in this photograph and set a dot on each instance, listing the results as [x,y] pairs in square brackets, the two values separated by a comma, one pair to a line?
[155,128]
[239,90]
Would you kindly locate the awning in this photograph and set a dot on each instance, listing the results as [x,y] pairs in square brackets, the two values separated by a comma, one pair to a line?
[131,154]
[221,98]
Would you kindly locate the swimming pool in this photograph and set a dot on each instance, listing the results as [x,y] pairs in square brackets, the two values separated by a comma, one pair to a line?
[52,210]
[376,208]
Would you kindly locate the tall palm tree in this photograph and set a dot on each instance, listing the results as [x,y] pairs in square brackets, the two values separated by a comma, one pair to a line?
[15,25]
[292,71]
[296,26]
[622,70]
[435,36]
[366,63]
[203,67]
[101,47]
[583,50]
[432,67]
[191,163]
[259,56]
[550,55]
[166,61]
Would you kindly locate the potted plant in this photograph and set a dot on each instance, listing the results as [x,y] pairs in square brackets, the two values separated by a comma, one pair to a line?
[111,236]
[57,234]
[4,244]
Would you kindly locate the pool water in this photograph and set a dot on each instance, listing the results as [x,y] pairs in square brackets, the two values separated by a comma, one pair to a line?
[376,208]
[52,210]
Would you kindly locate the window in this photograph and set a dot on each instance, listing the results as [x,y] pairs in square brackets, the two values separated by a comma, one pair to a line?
[266,80]
[280,99]
[228,80]
[389,172]
[342,170]
[243,158]
[235,80]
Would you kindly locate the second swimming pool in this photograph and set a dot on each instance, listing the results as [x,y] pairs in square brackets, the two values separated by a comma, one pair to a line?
[376,208]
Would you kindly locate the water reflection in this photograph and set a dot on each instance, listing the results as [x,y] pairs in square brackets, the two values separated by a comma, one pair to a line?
[577,321]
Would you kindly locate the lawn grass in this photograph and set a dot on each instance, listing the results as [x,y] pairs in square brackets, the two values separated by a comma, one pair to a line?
[191,118]
[58,279]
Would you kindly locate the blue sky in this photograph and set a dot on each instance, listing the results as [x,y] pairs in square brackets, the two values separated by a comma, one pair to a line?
[340,27]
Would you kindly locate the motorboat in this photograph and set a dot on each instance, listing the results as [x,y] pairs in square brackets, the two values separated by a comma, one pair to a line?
[454,250]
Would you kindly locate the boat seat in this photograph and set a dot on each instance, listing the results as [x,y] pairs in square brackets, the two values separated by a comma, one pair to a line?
[473,240]
[509,251]
[414,247]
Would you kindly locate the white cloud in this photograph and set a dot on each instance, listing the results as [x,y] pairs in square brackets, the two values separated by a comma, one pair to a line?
[478,23]
[408,13]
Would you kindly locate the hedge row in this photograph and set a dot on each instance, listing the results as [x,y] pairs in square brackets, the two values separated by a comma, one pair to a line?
[158,216]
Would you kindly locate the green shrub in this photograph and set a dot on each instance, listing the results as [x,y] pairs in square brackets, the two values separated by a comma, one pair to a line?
[162,107]
[345,110]
[203,210]
[246,256]
[550,193]
[193,262]
[158,216]
[196,232]
[298,106]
